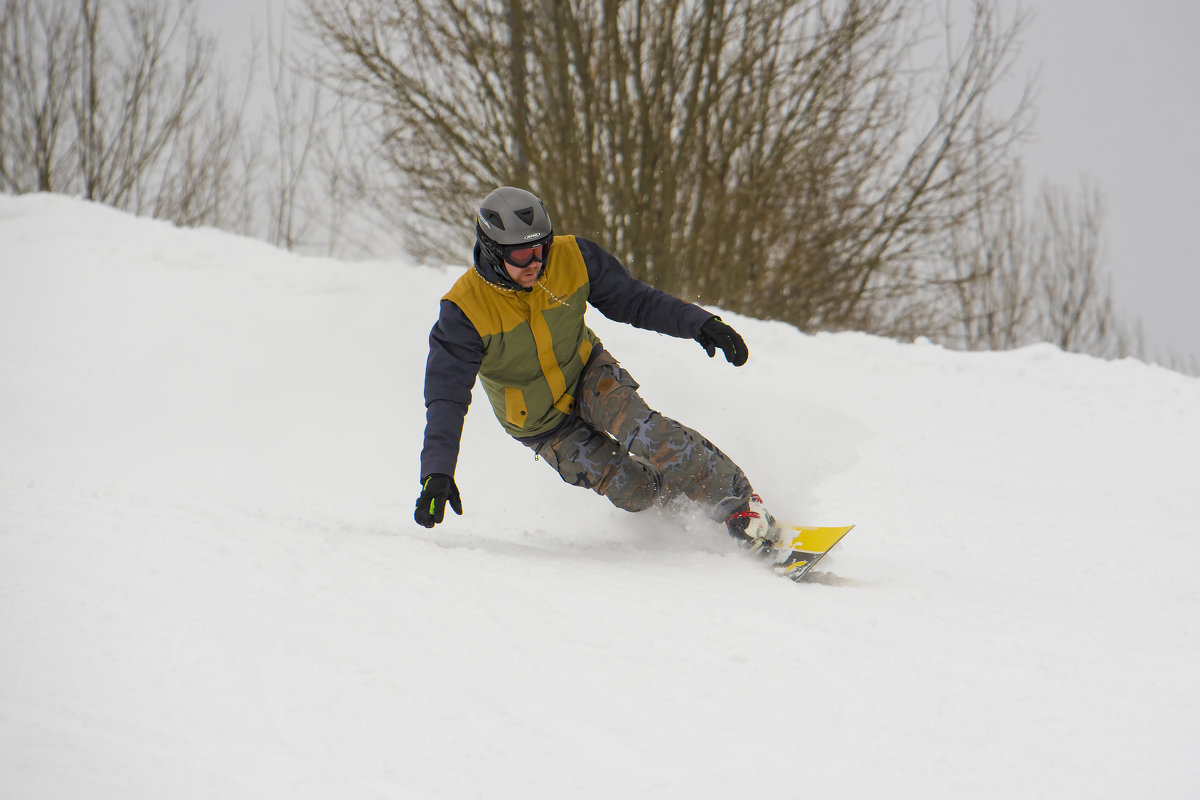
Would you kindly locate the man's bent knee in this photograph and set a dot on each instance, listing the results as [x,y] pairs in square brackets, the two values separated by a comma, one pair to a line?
[633,486]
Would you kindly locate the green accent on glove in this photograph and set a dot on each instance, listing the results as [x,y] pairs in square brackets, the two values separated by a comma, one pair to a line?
[436,491]
[716,334]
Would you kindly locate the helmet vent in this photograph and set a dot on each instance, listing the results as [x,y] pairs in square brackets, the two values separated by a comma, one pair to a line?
[492,218]
[525,215]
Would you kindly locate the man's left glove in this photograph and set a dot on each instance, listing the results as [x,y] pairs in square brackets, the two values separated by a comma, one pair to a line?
[714,334]
[436,490]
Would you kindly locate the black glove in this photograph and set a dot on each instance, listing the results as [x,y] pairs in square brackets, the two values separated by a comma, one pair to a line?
[436,489]
[714,334]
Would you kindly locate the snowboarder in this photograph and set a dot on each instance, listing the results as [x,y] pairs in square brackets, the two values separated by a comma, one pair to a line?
[516,320]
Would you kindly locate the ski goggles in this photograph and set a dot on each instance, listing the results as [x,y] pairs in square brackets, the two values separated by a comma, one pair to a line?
[522,255]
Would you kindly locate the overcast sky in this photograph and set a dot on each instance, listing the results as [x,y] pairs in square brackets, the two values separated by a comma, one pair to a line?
[1118,105]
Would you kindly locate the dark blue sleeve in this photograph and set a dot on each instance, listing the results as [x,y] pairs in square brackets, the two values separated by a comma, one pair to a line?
[455,353]
[623,298]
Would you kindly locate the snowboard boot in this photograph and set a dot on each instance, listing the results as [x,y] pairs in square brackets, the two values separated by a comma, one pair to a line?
[753,527]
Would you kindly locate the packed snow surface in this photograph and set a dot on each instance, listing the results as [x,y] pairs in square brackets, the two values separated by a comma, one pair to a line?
[211,584]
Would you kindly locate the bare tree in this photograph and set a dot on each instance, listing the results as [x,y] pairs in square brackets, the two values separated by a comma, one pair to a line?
[39,59]
[112,100]
[787,158]
[997,276]
[1038,276]
[1079,312]
[296,132]
[204,176]
[134,98]
[309,173]
[349,197]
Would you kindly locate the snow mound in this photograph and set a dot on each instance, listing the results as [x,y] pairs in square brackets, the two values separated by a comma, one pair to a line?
[211,584]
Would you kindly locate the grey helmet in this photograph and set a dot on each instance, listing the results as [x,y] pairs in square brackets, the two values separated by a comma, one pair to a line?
[510,219]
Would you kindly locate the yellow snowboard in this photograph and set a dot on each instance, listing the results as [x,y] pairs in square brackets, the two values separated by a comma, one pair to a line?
[801,546]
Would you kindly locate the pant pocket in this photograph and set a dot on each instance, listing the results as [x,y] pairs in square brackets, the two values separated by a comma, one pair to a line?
[603,377]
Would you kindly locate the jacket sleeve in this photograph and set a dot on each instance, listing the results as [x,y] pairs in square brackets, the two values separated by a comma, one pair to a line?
[623,298]
[455,353]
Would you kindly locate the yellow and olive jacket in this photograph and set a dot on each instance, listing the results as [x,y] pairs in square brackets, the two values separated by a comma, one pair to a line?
[529,346]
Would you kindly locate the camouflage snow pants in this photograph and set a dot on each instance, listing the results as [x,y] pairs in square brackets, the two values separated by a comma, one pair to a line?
[614,444]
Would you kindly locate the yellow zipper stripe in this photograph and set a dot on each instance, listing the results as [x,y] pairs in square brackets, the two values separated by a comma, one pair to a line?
[545,351]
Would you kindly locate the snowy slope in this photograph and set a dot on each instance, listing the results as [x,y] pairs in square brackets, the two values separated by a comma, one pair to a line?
[211,584]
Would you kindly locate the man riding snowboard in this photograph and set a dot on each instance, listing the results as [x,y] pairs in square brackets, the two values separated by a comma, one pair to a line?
[516,320]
